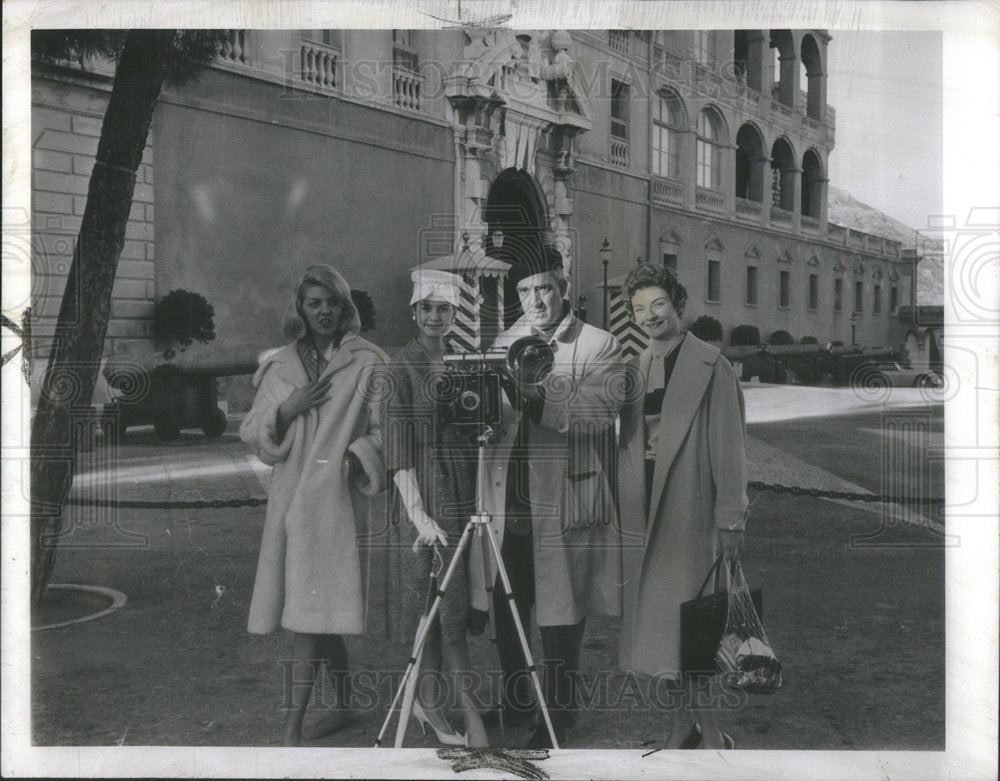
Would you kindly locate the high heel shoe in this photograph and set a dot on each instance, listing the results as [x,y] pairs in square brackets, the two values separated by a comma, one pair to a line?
[693,739]
[452,738]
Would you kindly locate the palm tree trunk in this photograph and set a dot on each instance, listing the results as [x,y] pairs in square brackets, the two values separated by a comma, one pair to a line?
[69,381]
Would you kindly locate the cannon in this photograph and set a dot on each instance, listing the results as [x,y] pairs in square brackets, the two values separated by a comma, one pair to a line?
[172,390]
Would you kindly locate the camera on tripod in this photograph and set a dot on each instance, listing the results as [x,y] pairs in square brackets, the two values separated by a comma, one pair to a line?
[468,392]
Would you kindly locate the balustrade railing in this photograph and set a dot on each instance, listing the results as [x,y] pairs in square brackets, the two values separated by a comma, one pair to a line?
[619,153]
[618,40]
[666,62]
[809,223]
[406,88]
[319,64]
[667,192]
[873,243]
[709,200]
[750,211]
[778,107]
[781,217]
[235,48]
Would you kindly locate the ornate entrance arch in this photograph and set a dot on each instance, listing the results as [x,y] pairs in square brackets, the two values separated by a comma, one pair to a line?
[517,229]
[518,102]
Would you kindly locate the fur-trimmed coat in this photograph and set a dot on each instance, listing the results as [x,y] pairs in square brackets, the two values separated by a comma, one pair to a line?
[309,574]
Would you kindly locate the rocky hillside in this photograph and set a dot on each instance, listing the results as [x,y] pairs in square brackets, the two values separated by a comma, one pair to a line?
[844,209]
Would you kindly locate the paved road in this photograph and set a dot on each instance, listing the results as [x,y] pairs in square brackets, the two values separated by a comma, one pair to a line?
[195,467]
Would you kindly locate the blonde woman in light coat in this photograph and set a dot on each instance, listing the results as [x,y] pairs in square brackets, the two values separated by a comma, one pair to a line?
[314,423]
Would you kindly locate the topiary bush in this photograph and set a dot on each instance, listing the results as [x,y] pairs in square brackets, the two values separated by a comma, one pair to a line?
[808,340]
[745,336]
[707,329]
[366,309]
[780,337]
[183,317]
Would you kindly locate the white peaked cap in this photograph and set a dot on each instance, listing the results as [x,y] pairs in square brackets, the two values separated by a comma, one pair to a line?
[434,285]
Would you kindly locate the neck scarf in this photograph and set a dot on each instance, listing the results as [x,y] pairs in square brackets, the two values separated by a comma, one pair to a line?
[314,363]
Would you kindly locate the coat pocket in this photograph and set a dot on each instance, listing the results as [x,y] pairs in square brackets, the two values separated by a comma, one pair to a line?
[588,502]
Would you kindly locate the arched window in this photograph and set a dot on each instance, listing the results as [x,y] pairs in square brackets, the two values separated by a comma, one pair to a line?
[784,67]
[783,175]
[750,159]
[668,119]
[746,64]
[812,65]
[708,157]
[812,184]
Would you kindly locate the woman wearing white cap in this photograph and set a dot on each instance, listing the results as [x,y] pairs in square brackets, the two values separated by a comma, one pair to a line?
[432,502]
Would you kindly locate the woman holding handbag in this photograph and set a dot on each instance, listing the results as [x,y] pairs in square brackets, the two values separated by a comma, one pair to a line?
[682,493]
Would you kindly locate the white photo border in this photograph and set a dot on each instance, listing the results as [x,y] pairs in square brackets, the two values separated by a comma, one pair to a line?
[971,50]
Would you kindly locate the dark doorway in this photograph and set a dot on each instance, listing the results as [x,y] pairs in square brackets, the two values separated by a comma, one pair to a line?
[515,216]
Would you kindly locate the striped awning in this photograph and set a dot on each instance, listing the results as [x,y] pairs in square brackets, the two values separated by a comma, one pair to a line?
[469,262]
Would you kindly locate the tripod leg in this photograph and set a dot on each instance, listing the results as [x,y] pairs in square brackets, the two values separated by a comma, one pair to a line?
[422,632]
[502,571]
[485,548]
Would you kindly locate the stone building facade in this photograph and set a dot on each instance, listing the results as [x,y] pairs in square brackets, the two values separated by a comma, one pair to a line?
[377,150]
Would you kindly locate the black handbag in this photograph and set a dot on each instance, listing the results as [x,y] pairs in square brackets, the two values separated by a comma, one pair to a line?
[703,622]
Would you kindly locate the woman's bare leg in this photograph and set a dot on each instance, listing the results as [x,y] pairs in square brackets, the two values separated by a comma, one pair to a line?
[305,660]
[456,657]
[338,668]
[430,691]
[682,720]
[705,712]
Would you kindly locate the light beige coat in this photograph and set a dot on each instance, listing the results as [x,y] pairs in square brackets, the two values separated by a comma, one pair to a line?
[699,486]
[574,523]
[309,575]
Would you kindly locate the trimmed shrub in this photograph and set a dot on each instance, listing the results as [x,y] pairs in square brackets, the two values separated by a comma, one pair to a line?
[707,329]
[780,337]
[366,309]
[183,317]
[745,336]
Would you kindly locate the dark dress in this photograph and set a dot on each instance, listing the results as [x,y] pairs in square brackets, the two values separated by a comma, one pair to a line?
[446,477]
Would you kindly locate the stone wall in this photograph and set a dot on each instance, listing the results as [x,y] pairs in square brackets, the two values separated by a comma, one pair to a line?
[65,128]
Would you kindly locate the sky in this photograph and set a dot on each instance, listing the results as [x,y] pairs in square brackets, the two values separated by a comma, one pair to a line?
[886,89]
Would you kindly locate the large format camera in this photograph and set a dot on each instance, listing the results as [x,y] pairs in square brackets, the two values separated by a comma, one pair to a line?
[467,393]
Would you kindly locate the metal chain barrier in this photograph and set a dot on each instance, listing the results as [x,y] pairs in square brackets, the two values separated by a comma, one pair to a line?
[848,495]
[194,504]
[756,485]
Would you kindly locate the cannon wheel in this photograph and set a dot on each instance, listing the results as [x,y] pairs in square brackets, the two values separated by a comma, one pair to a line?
[166,425]
[214,424]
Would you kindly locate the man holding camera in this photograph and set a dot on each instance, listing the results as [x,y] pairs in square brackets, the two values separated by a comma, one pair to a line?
[550,496]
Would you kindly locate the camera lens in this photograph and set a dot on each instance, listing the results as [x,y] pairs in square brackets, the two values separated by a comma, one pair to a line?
[469,401]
